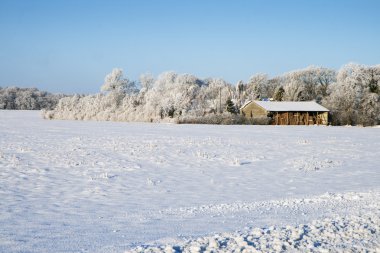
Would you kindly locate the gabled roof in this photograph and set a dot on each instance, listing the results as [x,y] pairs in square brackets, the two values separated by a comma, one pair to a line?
[307,106]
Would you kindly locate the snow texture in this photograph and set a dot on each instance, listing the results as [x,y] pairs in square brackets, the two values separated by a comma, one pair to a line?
[77,186]
[347,234]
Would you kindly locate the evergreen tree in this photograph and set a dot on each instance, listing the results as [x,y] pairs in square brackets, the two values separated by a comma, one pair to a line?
[230,107]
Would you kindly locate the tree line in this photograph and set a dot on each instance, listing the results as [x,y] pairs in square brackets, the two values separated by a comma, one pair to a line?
[15,98]
[352,95]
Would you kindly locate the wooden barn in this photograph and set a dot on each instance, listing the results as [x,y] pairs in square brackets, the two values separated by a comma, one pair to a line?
[287,113]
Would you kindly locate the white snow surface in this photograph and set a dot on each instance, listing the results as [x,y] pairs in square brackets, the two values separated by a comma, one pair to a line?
[86,186]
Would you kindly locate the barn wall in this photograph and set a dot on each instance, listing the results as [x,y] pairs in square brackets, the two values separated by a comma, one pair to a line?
[325,118]
[300,118]
[252,110]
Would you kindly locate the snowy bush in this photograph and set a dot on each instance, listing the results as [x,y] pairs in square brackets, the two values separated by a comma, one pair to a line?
[216,119]
[224,119]
[258,120]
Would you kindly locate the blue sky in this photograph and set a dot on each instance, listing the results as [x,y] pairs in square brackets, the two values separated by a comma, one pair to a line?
[70,45]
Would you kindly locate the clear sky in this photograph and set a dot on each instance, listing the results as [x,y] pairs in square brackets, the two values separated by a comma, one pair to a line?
[70,45]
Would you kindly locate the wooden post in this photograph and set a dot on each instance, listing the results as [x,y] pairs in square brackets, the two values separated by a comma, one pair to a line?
[277,118]
[307,117]
[287,118]
[298,118]
[317,119]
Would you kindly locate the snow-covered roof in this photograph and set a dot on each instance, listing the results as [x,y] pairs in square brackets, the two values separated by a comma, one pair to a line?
[307,106]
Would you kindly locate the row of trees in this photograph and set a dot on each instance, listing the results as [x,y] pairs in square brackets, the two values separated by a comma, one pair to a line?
[352,94]
[14,98]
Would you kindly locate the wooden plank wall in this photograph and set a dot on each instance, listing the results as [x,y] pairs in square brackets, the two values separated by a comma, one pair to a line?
[300,118]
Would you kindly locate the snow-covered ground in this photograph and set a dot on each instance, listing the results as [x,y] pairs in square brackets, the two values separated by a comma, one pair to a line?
[77,186]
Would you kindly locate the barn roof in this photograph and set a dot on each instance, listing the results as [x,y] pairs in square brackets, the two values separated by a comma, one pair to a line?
[307,106]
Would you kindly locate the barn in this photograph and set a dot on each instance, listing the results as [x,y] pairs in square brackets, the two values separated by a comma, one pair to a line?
[287,113]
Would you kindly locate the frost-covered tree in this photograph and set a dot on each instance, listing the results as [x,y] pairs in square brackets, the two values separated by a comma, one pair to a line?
[15,98]
[279,94]
[256,87]
[307,84]
[350,99]
[369,110]
[323,77]
[115,81]
[373,77]
[240,87]
[146,82]
[172,95]
[217,92]
[240,93]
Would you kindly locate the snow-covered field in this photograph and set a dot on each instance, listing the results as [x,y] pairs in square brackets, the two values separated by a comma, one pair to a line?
[74,186]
